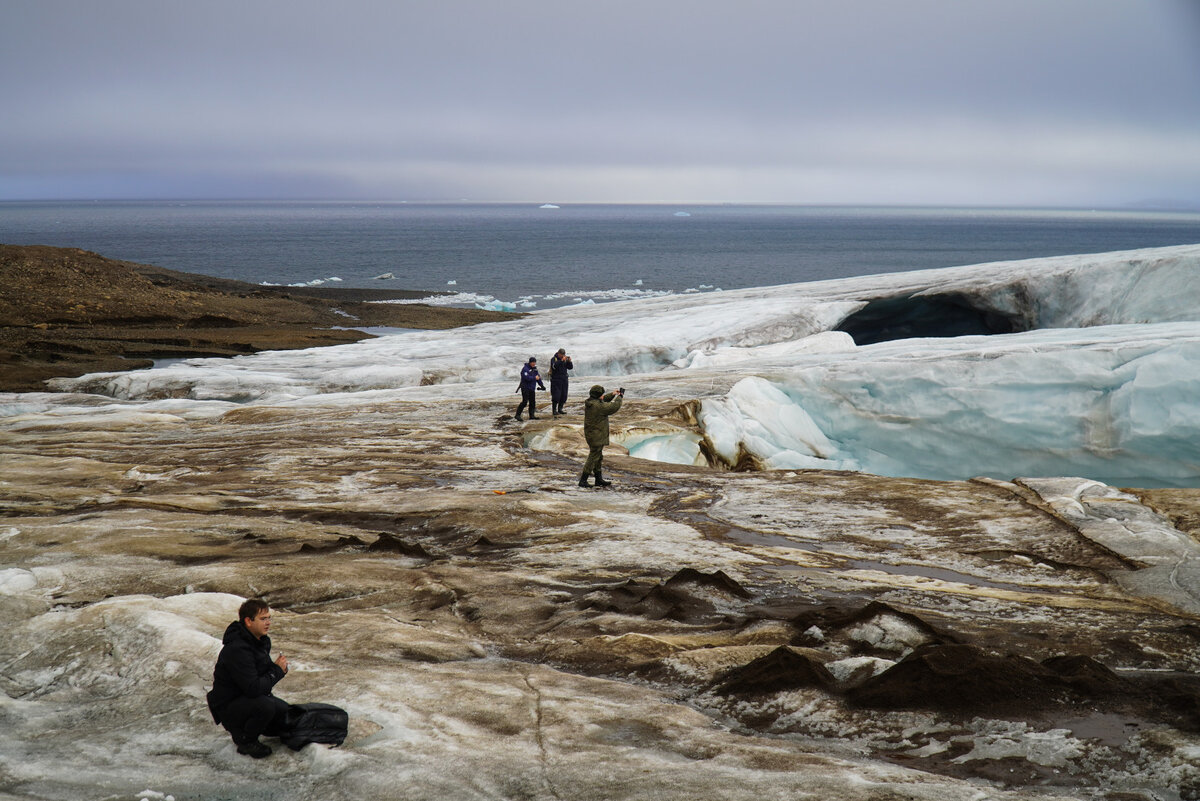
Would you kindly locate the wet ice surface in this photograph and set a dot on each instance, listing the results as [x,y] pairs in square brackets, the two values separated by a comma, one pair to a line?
[497,632]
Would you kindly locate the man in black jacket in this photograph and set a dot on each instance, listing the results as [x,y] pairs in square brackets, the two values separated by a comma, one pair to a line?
[560,363]
[241,698]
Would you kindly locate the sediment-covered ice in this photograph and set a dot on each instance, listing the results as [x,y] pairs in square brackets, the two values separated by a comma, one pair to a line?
[1075,365]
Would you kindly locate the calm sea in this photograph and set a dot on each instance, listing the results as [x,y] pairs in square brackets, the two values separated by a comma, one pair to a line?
[513,250]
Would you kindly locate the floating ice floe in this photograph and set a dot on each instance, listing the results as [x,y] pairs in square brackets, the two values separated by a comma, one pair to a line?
[313,282]
[497,305]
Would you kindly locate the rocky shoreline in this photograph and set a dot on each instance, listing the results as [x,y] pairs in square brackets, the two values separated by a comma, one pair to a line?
[66,312]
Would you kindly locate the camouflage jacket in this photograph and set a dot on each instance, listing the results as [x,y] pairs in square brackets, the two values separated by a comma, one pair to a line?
[595,418]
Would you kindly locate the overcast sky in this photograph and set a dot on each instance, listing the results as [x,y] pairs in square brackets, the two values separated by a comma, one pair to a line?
[1087,103]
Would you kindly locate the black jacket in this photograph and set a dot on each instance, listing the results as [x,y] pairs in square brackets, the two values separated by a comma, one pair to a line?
[244,668]
[558,371]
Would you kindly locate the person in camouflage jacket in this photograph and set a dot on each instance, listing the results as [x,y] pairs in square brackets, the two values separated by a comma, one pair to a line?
[596,410]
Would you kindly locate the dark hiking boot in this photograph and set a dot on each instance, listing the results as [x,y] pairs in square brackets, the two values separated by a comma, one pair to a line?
[583,480]
[255,749]
[600,482]
[518,416]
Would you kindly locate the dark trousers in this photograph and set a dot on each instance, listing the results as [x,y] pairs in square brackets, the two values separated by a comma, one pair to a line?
[246,718]
[558,395]
[595,459]
[530,397]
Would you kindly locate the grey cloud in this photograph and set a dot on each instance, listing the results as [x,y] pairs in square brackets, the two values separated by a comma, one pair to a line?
[509,99]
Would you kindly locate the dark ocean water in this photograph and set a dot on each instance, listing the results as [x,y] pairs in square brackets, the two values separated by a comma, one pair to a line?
[512,250]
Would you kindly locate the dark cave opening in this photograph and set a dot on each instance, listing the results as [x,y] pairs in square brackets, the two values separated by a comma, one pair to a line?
[892,318]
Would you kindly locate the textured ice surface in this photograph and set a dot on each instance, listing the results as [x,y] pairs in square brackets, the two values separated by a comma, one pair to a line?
[1143,286]
[1111,403]
[1097,377]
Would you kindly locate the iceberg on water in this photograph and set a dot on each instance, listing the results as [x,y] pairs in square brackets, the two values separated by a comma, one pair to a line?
[1073,365]
[497,305]
[319,281]
[547,206]
[384,276]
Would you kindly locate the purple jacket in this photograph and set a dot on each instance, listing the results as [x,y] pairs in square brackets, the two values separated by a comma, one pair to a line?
[530,378]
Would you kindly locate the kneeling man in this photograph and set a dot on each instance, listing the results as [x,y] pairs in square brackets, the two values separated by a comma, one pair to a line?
[241,698]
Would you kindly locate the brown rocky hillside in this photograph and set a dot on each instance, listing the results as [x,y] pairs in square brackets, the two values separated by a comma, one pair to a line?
[66,312]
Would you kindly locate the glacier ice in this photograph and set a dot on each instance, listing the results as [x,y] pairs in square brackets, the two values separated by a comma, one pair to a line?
[1110,403]
[758,417]
[1094,376]
[674,448]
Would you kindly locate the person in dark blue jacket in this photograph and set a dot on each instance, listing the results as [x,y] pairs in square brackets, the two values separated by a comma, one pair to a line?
[241,699]
[560,363]
[530,382]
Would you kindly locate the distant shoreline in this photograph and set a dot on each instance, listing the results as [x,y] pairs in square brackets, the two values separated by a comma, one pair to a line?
[66,312]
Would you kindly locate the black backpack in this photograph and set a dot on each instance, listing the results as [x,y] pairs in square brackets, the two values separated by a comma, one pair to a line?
[314,723]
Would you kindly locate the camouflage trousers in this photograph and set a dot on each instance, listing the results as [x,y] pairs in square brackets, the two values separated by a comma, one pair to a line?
[595,459]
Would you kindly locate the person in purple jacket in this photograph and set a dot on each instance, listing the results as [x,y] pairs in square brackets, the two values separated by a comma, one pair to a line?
[530,382]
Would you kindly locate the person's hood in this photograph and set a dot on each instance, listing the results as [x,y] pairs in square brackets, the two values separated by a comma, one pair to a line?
[597,391]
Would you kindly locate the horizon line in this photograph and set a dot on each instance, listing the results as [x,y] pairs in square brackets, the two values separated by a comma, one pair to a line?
[1167,206]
